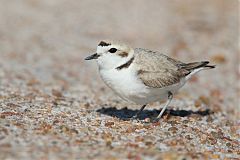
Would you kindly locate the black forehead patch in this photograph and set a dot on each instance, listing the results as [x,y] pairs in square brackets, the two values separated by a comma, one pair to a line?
[102,43]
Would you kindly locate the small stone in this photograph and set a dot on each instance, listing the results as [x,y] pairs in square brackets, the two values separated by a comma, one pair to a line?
[228,144]
[216,93]
[173,129]
[4,114]
[173,123]
[229,151]
[139,139]
[215,156]
[209,119]
[173,143]
[203,138]
[185,121]
[205,100]
[64,128]
[45,128]
[56,93]
[12,105]
[73,131]
[107,136]
[87,105]
[130,129]
[188,137]
[148,143]
[147,120]
[109,124]
[32,82]
[108,143]
[214,134]
[149,138]
[132,145]
[219,58]
[197,103]
[212,141]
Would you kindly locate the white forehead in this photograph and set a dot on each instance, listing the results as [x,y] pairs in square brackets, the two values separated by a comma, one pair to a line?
[102,49]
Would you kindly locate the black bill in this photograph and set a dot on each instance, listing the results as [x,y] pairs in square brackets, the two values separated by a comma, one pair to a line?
[94,56]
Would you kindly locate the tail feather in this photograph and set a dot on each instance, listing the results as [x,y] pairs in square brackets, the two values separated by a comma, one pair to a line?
[195,65]
[210,66]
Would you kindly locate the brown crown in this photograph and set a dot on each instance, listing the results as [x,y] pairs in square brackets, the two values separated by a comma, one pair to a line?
[102,43]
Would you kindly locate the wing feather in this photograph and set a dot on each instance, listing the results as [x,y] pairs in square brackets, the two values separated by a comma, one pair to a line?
[158,70]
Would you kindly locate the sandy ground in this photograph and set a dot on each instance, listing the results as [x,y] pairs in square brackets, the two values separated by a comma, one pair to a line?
[53,105]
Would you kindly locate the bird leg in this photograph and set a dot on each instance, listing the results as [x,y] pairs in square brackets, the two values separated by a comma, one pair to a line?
[137,114]
[170,96]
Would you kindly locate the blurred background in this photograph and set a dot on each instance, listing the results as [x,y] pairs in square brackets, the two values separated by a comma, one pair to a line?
[43,45]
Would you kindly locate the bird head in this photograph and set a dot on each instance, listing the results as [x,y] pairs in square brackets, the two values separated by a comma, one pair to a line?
[110,54]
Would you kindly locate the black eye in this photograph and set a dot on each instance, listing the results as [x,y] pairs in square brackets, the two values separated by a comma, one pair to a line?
[112,50]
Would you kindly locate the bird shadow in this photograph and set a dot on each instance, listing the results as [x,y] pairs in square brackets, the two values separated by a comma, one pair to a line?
[126,114]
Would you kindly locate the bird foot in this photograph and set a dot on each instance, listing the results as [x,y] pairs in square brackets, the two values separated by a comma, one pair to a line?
[155,120]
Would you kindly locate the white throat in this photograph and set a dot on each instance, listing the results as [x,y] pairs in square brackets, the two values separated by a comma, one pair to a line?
[111,61]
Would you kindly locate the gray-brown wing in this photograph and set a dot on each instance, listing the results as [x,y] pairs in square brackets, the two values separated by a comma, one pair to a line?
[157,70]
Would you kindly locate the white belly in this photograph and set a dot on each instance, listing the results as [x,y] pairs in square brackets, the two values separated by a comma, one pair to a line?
[127,85]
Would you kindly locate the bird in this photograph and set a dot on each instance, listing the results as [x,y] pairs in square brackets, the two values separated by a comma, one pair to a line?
[142,76]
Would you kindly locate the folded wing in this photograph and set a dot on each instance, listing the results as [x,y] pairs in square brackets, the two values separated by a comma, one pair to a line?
[158,70]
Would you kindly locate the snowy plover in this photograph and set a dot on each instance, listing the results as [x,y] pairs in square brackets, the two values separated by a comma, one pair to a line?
[142,76]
